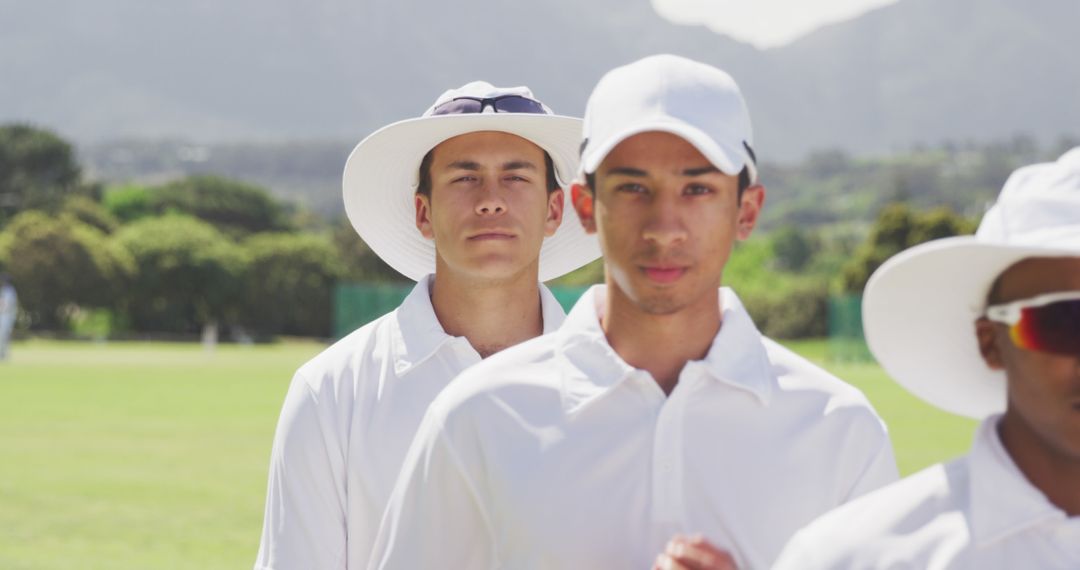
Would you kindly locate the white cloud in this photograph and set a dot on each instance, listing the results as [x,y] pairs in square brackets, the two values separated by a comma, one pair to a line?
[763,23]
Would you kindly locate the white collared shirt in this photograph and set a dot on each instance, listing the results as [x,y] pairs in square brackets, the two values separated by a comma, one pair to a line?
[348,418]
[977,512]
[556,454]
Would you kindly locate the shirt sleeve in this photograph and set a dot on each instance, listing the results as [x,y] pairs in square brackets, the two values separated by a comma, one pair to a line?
[436,518]
[817,545]
[304,525]
[799,554]
[880,470]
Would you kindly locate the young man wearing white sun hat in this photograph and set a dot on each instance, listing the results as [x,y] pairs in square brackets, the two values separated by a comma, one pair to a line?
[985,326]
[467,201]
[657,409]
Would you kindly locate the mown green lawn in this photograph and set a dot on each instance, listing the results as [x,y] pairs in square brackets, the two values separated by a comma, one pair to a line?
[137,456]
[922,435]
[153,456]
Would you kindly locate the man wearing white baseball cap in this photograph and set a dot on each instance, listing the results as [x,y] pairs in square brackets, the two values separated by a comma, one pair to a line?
[986,326]
[466,200]
[657,409]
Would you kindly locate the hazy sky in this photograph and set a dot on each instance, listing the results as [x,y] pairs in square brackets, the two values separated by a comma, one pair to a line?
[763,23]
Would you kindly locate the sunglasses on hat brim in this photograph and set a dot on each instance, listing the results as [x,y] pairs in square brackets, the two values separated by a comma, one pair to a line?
[501,104]
[1045,323]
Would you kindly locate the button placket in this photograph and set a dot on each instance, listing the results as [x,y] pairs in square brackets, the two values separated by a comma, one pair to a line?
[668,450]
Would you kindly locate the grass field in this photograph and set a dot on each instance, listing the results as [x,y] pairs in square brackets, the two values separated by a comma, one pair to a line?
[154,456]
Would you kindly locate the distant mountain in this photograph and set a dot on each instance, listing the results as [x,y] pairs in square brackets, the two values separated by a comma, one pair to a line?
[926,71]
[918,71]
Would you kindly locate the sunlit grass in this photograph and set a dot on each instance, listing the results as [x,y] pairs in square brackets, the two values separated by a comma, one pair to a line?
[145,456]
[922,434]
[134,455]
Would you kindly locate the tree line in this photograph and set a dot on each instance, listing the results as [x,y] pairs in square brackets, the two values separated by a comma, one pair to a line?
[171,258]
[206,250]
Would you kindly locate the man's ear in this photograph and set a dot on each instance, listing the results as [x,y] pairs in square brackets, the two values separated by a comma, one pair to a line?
[987,334]
[423,216]
[554,212]
[749,210]
[582,198]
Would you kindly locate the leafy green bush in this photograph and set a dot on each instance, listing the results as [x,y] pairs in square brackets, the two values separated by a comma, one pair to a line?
[289,284]
[361,264]
[588,274]
[783,303]
[897,228]
[128,203]
[89,212]
[792,248]
[799,310]
[37,170]
[189,274]
[233,207]
[58,263]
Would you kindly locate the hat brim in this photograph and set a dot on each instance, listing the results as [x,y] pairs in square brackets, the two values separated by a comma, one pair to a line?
[728,160]
[381,176]
[919,313]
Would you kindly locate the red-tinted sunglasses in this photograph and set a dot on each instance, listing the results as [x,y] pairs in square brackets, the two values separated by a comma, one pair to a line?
[1046,323]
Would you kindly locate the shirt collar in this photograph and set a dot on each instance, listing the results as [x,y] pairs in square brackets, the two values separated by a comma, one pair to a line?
[1002,500]
[417,333]
[737,356]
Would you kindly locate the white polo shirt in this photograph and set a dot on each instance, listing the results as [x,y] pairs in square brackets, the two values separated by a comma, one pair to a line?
[345,427]
[977,512]
[557,454]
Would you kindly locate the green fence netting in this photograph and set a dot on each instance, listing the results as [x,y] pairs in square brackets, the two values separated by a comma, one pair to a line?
[356,304]
[846,340]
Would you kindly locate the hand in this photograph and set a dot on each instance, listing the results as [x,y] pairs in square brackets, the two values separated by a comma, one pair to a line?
[693,553]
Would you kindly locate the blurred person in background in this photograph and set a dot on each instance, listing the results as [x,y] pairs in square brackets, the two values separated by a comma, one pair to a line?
[9,308]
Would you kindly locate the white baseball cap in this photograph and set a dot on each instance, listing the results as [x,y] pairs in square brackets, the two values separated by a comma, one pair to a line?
[382,174]
[668,93]
[920,306]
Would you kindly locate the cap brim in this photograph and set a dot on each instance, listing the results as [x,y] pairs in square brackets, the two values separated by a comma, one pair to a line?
[380,177]
[919,313]
[728,160]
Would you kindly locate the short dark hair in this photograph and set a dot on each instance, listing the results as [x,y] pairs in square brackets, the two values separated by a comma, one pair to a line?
[993,297]
[744,182]
[425,174]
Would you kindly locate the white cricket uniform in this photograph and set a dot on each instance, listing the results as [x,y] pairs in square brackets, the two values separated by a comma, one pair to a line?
[9,310]
[975,512]
[348,418]
[557,454]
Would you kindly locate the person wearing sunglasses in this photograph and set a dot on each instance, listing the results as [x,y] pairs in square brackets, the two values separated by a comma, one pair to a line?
[657,412]
[984,326]
[466,200]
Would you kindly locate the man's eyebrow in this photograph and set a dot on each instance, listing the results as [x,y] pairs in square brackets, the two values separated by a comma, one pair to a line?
[627,171]
[699,171]
[519,165]
[463,165]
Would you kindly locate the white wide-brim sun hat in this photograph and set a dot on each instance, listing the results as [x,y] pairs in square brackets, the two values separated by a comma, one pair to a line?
[381,177]
[920,306]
